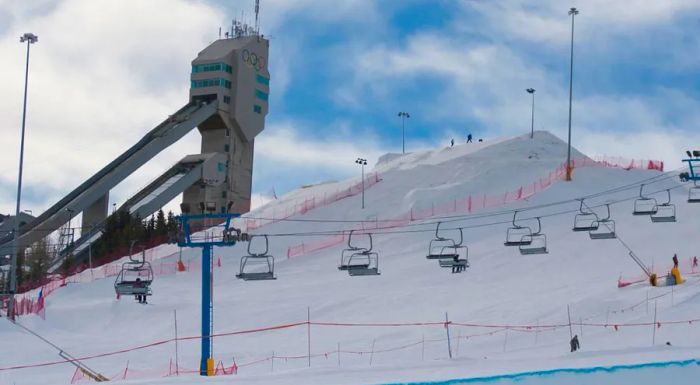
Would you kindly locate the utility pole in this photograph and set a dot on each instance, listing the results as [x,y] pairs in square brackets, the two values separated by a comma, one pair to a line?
[30,39]
[362,162]
[573,12]
[403,116]
[532,127]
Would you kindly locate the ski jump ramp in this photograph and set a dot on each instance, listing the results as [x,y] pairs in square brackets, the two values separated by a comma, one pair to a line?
[95,190]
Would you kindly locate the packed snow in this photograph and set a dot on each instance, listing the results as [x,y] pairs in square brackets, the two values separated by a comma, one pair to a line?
[495,306]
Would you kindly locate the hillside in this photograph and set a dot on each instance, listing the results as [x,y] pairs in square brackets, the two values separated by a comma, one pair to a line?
[507,311]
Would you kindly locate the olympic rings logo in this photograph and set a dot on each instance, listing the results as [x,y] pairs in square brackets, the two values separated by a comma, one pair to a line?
[252,60]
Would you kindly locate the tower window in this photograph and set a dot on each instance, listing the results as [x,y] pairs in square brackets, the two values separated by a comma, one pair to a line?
[210,83]
[196,68]
[261,95]
[257,108]
[226,148]
[227,99]
[262,80]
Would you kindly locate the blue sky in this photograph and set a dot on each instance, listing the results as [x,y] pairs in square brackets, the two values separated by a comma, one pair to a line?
[340,72]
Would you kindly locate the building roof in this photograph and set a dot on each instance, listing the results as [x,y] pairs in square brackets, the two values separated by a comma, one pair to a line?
[223,47]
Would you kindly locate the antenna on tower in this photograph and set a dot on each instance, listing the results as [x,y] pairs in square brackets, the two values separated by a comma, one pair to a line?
[257,11]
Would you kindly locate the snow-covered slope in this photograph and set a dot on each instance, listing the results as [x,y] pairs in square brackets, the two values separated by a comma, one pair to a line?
[495,306]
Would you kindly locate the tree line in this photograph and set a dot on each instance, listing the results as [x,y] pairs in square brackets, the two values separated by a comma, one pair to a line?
[121,228]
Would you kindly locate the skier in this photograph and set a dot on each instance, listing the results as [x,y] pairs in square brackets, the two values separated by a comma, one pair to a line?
[574,344]
[138,285]
[452,142]
[456,268]
[695,261]
[675,272]
[469,138]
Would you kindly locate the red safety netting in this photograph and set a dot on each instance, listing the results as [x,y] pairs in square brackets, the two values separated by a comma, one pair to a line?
[475,202]
[301,207]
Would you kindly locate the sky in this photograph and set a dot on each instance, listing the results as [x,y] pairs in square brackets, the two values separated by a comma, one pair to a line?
[105,72]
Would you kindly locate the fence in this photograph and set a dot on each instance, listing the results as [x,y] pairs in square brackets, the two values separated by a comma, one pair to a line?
[475,202]
[28,305]
[302,207]
[441,347]
[629,164]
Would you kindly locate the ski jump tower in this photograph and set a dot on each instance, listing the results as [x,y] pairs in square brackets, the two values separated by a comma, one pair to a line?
[232,71]
[228,101]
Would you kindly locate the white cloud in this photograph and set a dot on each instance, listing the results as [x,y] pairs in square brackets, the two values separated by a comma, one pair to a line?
[486,81]
[284,144]
[102,74]
[548,21]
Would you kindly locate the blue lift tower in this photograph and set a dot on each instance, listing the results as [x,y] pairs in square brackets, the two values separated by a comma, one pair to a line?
[206,231]
[694,175]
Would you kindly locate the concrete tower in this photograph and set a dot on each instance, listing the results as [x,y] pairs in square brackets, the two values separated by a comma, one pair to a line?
[233,72]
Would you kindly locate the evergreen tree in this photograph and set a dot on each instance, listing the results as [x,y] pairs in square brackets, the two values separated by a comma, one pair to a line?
[38,260]
[161,227]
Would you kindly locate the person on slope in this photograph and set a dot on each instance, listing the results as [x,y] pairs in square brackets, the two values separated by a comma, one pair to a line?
[452,142]
[574,344]
[675,272]
[469,138]
[138,284]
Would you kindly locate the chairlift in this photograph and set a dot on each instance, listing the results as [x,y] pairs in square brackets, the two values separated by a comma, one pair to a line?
[644,205]
[346,253]
[135,277]
[665,212]
[535,243]
[585,220]
[694,193]
[441,247]
[605,227]
[251,263]
[515,235]
[455,257]
[364,262]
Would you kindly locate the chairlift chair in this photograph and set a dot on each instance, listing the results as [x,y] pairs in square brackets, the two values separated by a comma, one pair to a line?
[605,227]
[694,193]
[364,262]
[253,263]
[535,243]
[585,220]
[665,212]
[515,235]
[135,277]
[351,249]
[644,205]
[441,247]
[455,257]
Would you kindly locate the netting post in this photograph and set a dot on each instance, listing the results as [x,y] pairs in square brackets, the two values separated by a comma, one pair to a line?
[568,312]
[371,353]
[177,370]
[653,335]
[308,332]
[447,329]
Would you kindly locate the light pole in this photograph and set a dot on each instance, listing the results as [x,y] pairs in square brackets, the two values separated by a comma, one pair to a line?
[363,163]
[403,116]
[532,127]
[573,12]
[30,39]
